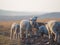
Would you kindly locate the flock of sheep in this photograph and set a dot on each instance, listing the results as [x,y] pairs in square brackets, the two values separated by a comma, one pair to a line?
[51,29]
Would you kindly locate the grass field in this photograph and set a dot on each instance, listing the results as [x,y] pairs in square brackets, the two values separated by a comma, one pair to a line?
[5,32]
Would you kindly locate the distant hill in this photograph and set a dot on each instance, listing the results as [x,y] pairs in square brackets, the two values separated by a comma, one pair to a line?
[50,15]
[13,18]
[11,15]
[15,13]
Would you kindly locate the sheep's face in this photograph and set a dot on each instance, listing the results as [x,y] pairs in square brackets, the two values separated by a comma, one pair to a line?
[40,29]
[43,30]
[33,22]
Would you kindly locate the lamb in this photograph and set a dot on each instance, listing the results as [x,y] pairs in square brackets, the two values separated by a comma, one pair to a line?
[15,31]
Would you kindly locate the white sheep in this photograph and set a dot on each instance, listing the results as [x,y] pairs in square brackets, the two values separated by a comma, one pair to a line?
[53,28]
[25,26]
[15,31]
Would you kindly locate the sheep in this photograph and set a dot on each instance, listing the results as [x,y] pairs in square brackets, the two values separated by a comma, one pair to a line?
[15,31]
[34,18]
[53,28]
[42,30]
[33,21]
[25,26]
[54,31]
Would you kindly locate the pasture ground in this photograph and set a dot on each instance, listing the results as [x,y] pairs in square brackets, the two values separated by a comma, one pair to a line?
[5,33]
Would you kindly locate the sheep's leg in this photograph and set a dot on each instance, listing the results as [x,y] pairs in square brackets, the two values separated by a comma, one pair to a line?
[30,33]
[20,32]
[56,34]
[17,35]
[51,40]
[49,33]
[55,37]
[26,33]
[14,35]
[11,34]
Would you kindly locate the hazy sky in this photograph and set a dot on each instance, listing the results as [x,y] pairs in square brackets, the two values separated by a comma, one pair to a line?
[31,5]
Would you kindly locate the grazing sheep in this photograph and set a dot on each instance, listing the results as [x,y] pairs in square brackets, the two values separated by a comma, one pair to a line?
[42,30]
[53,28]
[54,31]
[25,26]
[34,23]
[15,31]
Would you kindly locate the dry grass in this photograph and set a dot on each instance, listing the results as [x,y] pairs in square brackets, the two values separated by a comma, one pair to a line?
[5,32]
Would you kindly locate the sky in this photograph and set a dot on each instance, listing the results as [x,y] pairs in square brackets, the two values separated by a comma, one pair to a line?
[31,5]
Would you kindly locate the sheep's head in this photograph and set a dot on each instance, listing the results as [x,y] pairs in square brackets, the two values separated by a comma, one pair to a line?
[33,20]
[42,30]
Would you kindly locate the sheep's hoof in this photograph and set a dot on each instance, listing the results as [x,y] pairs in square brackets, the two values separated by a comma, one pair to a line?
[47,43]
